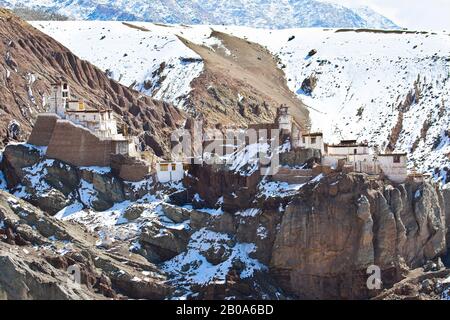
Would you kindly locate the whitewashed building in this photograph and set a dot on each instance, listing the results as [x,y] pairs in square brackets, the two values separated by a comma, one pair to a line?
[284,119]
[100,122]
[170,171]
[347,151]
[312,141]
[393,166]
[286,123]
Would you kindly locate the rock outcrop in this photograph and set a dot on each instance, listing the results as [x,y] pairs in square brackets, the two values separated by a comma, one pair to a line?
[255,236]
[328,239]
[50,259]
[52,184]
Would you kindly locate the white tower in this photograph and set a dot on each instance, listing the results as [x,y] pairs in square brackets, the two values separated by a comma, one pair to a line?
[58,98]
[284,119]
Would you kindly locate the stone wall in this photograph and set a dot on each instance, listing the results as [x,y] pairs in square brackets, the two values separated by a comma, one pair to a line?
[298,156]
[43,129]
[78,146]
[129,169]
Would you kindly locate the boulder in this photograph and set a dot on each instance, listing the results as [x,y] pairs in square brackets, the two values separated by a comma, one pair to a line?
[175,213]
[15,158]
[133,212]
[309,84]
[52,202]
[109,189]
[198,219]
[163,243]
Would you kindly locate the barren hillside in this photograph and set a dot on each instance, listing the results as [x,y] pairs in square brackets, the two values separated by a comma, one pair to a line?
[31,60]
[240,83]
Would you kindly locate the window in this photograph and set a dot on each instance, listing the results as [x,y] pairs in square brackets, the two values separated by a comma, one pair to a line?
[185,166]
[355,151]
[64,94]
[174,166]
[164,167]
[313,140]
[396,158]
[304,141]
[65,86]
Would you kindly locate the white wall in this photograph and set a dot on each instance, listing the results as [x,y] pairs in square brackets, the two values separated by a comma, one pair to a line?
[339,151]
[309,144]
[395,172]
[57,101]
[101,123]
[285,122]
[170,175]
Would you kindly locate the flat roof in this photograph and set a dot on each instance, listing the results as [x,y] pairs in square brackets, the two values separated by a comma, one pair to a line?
[88,111]
[313,134]
[346,145]
[392,154]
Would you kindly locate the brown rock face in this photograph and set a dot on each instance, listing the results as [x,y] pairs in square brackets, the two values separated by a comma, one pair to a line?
[212,182]
[30,254]
[32,60]
[327,240]
[52,184]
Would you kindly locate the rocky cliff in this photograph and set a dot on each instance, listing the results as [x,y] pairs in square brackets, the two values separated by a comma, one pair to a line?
[333,231]
[221,235]
[36,250]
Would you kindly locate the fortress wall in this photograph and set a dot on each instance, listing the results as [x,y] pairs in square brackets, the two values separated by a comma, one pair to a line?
[78,146]
[136,172]
[43,129]
[128,168]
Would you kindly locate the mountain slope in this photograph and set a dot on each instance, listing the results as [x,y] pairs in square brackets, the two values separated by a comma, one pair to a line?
[32,60]
[388,87]
[189,67]
[240,86]
[374,19]
[255,13]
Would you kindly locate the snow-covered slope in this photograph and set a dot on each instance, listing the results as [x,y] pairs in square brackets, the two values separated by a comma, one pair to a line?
[132,56]
[368,83]
[255,13]
[377,86]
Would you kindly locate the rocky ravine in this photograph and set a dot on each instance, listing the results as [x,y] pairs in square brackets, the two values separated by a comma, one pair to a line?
[218,235]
